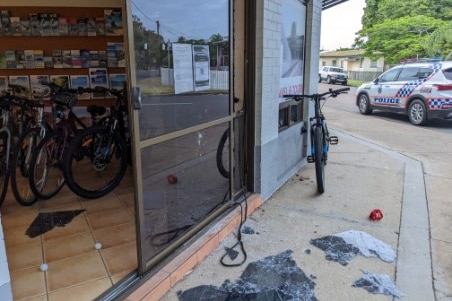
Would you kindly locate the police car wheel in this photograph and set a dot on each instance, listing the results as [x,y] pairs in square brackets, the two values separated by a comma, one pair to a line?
[417,113]
[364,104]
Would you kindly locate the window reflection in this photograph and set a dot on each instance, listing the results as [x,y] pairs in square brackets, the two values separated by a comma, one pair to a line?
[182,63]
[182,185]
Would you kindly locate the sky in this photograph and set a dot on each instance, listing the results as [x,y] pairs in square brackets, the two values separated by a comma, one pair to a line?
[340,23]
[177,18]
[192,19]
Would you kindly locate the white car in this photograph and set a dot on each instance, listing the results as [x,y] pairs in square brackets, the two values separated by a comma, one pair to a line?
[332,75]
[422,91]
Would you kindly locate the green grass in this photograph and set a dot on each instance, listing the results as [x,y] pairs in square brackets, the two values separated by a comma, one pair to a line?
[354,82]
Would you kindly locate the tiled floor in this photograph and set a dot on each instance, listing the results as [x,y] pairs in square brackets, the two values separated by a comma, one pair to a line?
[76,269]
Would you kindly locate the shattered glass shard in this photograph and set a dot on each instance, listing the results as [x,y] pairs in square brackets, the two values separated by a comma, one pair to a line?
[378,284]
[269,279]
[344,246]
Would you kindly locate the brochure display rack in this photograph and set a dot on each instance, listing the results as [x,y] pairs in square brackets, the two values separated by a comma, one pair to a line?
[72,46]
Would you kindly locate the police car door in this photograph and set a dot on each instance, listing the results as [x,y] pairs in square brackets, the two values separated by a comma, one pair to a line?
[407,81]
[383,92]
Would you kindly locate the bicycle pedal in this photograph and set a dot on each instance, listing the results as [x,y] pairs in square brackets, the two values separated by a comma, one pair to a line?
[310,159]
[334,140]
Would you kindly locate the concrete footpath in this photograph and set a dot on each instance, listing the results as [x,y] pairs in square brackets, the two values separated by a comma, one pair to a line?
[305,246]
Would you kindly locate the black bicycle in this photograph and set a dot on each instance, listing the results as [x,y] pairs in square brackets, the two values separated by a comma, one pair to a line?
[320,137]
[97,157]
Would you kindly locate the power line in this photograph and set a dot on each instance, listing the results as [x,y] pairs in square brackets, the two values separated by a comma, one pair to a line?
[171,31]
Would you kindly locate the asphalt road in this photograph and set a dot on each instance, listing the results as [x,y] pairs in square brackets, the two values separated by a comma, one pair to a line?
[347,102]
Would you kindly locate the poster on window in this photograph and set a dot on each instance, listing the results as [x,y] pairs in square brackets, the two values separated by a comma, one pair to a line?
[293,17]
[183,68]
[201,67]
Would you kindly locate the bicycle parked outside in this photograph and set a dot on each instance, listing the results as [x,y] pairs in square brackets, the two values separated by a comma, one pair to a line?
[319,135]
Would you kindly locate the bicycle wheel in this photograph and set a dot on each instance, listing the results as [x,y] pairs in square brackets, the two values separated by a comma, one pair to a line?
[95,162]
[223,155]
[319,159]
[4,172]
[20,166]
[46,170]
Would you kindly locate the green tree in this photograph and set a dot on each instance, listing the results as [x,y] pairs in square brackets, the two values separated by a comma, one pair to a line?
[400,29]
[147,45]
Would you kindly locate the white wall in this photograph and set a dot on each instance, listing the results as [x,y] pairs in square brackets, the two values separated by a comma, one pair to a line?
[279,155]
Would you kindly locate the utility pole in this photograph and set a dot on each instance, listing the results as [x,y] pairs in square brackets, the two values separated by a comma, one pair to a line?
[159,55]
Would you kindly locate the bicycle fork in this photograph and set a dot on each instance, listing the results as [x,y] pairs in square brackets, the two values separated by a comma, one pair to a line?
[327,139]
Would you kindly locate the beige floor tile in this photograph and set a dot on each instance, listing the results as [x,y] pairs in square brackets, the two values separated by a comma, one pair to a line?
[21,218]
[28,283]
[85,291]
[108,218]
[24,256]
[116,235]
[107,202]
[68,246]
[121,259]
[63,205]
[77,225]
[75,270]
[36,298]
[16,236]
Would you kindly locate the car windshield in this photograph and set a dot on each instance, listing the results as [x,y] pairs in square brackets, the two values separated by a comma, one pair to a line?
[337,70]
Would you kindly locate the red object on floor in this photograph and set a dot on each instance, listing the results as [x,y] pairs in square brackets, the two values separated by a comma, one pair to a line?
[376,215]
[172,179]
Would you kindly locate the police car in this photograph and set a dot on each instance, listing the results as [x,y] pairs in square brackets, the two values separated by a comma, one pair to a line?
[421,90]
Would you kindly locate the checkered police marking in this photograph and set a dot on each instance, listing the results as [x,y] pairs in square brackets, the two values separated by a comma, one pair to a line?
[439,103]
[408,88]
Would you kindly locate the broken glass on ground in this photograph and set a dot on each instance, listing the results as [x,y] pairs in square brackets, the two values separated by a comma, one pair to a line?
[46,221]
[378,284]
[272,278]
[343,247]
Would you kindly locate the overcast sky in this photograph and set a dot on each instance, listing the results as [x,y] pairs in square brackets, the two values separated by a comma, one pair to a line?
[194,21]
[340,23]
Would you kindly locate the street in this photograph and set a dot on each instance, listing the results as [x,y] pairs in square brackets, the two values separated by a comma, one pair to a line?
[347,102]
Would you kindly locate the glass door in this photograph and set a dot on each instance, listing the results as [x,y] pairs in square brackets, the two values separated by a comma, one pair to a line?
[179,54]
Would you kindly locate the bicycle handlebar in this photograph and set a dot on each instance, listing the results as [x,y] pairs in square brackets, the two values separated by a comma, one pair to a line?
[333,93]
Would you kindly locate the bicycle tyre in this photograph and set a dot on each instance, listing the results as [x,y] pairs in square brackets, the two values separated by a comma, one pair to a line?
[20,167]
[221,152]
[46,170]
[87,172]
[4,172]
[319,159]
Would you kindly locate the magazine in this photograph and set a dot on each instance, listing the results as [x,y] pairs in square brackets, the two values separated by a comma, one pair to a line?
[38,91]
[117,81]
[3,85]
[113,22]
[21,80]
[80,81]
[98,78]
[60,80]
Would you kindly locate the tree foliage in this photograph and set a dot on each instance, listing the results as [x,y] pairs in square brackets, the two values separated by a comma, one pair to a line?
[401,29]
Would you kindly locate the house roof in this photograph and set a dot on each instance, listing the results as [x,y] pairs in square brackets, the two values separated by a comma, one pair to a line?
[330,3]
[343,53]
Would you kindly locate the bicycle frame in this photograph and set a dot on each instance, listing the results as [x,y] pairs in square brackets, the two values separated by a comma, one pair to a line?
[319,135]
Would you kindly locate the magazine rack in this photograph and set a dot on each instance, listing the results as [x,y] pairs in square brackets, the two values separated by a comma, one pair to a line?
[89,54]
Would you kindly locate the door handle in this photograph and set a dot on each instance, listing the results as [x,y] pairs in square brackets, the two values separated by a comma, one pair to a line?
[136,98]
